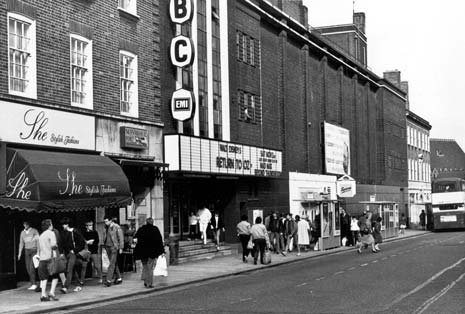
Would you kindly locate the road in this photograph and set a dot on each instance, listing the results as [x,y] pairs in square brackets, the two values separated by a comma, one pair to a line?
[423,275]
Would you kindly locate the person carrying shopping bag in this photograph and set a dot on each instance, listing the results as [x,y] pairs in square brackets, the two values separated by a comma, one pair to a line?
[149,246]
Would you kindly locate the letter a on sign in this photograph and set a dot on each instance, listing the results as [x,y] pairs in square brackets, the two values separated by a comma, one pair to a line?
[180,11]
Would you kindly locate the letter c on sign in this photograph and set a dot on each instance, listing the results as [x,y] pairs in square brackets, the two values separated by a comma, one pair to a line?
[181,51]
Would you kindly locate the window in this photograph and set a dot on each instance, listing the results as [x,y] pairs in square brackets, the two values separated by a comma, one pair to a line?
[249,107]
[247,49]
[128,83]
[21,56]
[81,72]
[129,6]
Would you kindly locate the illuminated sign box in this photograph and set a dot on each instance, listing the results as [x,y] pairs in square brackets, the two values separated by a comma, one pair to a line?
[194,154]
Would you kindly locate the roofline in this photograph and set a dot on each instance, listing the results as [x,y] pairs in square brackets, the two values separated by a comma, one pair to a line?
[416,118]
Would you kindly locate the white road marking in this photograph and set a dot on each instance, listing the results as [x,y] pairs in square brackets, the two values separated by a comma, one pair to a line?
[436,297]
[302,284]
[393,255]
[352,268]
[339,272]
[375,261]
[321,278]
[384,258]
[424,284]
[462,242]
[363,265]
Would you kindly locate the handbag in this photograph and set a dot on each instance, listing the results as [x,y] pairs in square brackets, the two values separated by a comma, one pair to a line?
[84,254]
[56,265]
[267,257]
[161,268]
[250,244]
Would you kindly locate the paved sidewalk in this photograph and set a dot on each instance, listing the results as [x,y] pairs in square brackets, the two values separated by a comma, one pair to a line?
[21,300]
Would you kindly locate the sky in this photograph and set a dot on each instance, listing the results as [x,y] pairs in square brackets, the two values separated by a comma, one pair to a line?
[423,39]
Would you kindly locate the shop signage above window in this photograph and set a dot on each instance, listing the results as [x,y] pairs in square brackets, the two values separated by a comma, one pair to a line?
[346,187]
[182,105]
[180,11]
[337,149]
[46,127]
[193,154]
[134,138]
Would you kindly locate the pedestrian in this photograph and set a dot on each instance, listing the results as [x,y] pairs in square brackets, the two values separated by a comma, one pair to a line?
[217,226]
[369,217]
[113,240]
[366,237]
[377,233]
[303,230]
[193,221]
[275,226]
[243,232]
[149,246]
[355,230]
[423,220]
[290,230]
[92,240]
[402,223]
[29,241]
[260,239]
[315,228]
[345,227]
[204,215]
[72,242]
[47,249]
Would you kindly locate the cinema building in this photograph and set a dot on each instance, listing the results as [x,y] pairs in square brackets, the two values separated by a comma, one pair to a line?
[279,115]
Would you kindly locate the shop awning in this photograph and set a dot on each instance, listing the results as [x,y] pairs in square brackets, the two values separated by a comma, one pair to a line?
[53,181]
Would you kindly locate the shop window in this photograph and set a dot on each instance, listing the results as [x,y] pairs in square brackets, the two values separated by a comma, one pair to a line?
[128,84]
[81,72]
[22,56]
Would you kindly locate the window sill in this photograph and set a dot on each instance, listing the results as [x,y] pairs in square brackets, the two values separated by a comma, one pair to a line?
[129,15]
[23,94]
[128,114]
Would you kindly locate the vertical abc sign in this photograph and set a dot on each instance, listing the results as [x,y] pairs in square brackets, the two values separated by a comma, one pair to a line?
[181,48]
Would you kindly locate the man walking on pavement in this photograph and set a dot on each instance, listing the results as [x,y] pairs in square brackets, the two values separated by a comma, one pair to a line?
[149,246]
[29,240]
[72,242]
[114,242]
[92,240]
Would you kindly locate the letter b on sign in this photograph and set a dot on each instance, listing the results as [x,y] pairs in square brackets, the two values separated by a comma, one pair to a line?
[180,11]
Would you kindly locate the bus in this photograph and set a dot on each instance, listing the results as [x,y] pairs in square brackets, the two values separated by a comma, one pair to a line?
[448,200]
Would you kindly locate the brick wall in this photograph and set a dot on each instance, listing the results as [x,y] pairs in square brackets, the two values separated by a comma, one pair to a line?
[110,30]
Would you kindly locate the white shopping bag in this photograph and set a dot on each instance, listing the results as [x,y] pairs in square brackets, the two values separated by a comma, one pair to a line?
[161,269]
[36,261]
[105,261]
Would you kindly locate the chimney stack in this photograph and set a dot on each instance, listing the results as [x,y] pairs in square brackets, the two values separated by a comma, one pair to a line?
[359,21]
[393,77]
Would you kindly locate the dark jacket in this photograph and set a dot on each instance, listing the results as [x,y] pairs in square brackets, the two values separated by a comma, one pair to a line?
[275,225]
[290,227]
[213,223]
[149,242]
[72,241]
[92,235]
[115,232]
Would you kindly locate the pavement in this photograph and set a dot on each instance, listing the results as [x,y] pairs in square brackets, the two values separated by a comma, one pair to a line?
[21,300]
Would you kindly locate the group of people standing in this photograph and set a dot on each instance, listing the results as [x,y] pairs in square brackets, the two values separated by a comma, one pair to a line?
[203,222]
[361,232]
[280,233]
[79,249]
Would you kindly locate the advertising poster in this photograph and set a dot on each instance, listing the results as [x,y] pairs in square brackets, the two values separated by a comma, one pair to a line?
[326,219]
[337,217]
[337,149]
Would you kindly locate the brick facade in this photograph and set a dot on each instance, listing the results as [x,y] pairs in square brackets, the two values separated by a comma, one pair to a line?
[110,30]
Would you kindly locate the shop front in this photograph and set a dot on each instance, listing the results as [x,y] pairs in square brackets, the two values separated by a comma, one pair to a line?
[230,179]
[49,169]
[314,197]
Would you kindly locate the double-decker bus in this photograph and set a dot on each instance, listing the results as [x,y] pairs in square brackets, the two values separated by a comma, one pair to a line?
[448,203]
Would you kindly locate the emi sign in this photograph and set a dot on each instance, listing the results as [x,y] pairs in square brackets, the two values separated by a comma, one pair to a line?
[182,104]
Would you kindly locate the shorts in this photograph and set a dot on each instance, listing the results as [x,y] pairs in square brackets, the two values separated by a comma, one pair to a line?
[43,271]
[403,226]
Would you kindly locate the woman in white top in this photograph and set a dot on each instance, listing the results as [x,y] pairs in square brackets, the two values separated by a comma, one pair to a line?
[303,228]
[47,245]
[355,229]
